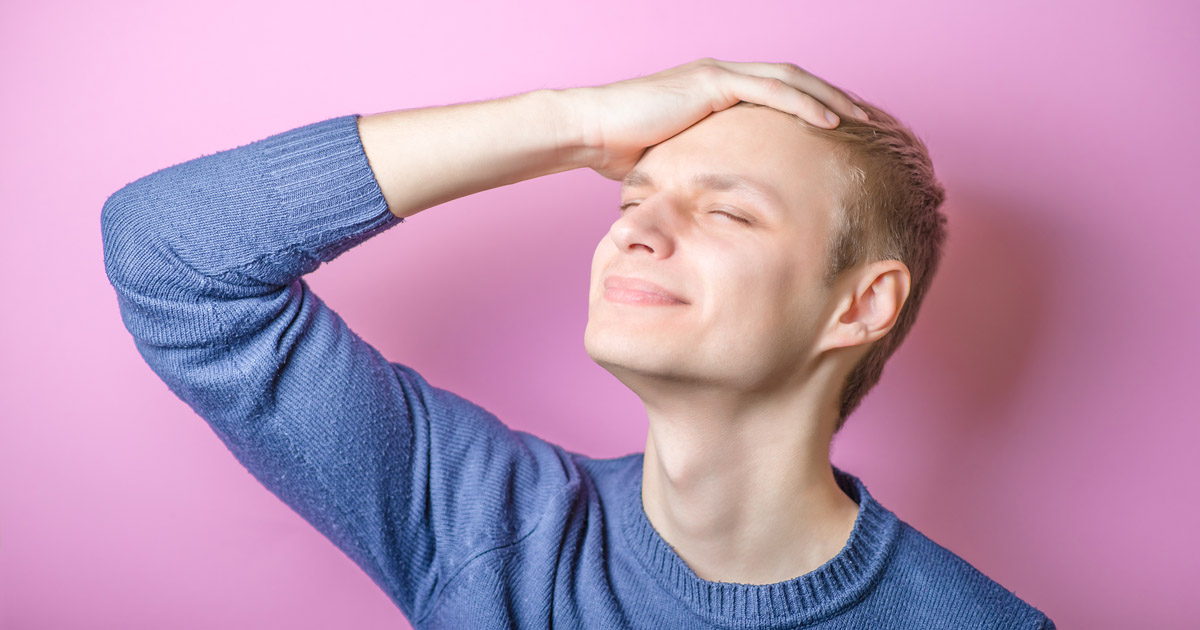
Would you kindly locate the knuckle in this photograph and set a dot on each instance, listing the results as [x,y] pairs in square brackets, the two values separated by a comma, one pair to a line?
[791,68]
[774,86]
[709,72]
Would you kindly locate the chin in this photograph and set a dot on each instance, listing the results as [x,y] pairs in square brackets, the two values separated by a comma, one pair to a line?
[629,352]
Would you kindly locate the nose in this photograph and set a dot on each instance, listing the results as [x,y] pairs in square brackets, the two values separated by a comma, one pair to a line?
[645,225]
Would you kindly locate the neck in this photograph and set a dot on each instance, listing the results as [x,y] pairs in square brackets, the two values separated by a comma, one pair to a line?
[744,491]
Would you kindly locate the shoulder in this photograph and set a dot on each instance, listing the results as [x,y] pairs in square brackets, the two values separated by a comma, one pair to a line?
[613,476]
[949,589]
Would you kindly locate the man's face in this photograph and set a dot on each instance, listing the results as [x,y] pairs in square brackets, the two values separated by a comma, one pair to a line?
[752,295]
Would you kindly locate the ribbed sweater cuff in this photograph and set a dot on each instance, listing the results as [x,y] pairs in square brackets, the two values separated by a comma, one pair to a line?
[320,175]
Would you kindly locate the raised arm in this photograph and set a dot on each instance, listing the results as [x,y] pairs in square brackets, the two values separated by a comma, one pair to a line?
[426,157]
[207,258]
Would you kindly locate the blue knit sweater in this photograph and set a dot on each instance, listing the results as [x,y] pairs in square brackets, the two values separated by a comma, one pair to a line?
[462,521]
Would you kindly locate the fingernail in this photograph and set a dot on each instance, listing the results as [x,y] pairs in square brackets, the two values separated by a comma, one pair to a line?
[831,117]
[860,113]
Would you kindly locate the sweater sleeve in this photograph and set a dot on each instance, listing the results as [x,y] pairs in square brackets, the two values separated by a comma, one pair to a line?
[207,258]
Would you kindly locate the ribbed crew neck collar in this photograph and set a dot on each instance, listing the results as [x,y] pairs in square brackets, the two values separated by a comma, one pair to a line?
[838,583]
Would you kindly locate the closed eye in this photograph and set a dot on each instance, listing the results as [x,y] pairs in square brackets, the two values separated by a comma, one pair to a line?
[624,206]
[732,216]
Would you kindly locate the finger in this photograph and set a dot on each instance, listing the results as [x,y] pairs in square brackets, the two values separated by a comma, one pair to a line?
[813,85]
[801,79]
[778,95]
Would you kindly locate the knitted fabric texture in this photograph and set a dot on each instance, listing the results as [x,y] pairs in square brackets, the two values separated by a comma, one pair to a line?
[462,521]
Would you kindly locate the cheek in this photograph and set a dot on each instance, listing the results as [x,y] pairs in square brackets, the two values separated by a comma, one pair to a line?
[601,258]
[763,291]
[742,291]
[765,275]
[603,252]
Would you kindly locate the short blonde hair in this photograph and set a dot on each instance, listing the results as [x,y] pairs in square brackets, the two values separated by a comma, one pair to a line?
[888,208]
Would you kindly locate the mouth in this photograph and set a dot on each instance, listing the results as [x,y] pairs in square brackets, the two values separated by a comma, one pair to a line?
[636,291]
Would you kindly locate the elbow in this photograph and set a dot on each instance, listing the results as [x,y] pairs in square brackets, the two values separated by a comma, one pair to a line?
[136,255]
[121,237]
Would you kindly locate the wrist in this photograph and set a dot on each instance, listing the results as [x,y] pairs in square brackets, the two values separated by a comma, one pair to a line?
[575,145]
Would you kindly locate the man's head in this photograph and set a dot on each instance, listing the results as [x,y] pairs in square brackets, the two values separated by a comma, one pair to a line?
[821,280]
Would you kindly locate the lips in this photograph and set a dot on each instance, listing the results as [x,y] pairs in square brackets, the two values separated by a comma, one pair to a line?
[633,284]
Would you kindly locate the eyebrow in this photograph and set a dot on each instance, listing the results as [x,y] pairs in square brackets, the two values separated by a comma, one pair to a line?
[711,181]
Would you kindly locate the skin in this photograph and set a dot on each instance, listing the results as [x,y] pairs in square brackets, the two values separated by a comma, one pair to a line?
[741,383]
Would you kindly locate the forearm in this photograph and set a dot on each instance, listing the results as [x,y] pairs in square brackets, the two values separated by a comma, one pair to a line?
[425,157]
[196,251]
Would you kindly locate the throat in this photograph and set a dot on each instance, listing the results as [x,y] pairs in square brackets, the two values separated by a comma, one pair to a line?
[747,519]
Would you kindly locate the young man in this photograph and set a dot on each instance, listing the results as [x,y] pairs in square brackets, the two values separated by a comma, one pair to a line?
[746,295]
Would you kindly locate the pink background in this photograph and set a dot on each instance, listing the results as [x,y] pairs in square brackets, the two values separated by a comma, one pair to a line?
[1039,421]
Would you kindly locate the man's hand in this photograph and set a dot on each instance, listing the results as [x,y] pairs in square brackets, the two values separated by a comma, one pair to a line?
[618,121]
[426,157]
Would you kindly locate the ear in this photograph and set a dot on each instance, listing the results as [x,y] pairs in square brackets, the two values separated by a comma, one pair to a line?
[870,305]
